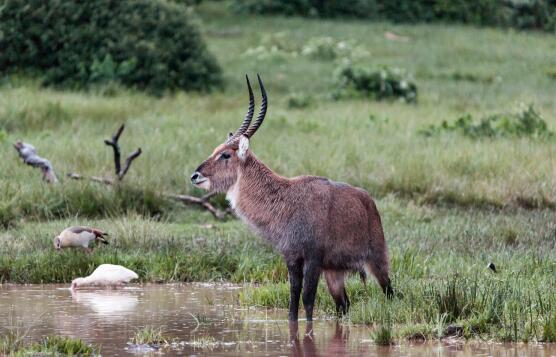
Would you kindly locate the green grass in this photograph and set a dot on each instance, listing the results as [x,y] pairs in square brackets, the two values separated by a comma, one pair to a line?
[157,251]
[50,345]
[338,139]
[439,264]
[450,204]
[149,335]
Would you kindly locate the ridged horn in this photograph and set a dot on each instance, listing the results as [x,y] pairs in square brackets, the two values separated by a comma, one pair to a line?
[247,121]
[262,112]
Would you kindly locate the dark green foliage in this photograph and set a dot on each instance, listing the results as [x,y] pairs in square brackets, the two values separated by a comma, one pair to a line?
[526,123]
[385,83]
[143,44]
[531,14]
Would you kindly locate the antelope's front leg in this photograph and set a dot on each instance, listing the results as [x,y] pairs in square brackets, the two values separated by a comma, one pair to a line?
[295,272]
[311,275]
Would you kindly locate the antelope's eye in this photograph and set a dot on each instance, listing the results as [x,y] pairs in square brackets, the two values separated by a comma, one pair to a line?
[225,156]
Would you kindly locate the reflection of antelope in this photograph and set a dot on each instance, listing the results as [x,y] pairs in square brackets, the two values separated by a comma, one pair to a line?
[336,346]
[317,224]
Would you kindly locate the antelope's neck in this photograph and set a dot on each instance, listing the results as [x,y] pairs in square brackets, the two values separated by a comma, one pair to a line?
[256,189]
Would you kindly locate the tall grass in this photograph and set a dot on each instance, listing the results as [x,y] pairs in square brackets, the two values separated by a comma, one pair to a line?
[339,139]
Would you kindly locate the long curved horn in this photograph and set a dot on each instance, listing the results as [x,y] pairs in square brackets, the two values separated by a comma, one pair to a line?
[262,112]
[247,121]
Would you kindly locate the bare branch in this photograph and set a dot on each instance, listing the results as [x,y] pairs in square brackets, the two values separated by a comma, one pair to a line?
[114,143]
[128,162]
[120,173]
[202,201]
[209,195]
[29,155]
[75,176]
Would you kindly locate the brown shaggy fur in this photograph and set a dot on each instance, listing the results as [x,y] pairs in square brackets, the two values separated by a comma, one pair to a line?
[315,223]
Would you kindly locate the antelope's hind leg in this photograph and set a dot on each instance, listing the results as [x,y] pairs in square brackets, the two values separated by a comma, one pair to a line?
[380,270]
[335,280]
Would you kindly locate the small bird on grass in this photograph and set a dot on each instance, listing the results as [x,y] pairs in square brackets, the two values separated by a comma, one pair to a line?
[79,237]
[106,275]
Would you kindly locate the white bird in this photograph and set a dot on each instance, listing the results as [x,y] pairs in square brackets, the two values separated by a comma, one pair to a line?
[106,275]
[79,237]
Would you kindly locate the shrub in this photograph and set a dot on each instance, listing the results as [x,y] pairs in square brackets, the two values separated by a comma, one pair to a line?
[143,44]
[531,14]
[327,49]
[385,83]
[300,100]
[280,46]
[527,122]
[275,45]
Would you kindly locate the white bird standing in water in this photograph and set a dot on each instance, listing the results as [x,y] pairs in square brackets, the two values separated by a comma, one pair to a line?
[106,275]
[79,237]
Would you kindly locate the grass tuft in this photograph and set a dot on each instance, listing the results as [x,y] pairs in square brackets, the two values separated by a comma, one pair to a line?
[149,335]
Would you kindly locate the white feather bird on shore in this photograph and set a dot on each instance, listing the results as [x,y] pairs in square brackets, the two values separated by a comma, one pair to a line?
[106,275]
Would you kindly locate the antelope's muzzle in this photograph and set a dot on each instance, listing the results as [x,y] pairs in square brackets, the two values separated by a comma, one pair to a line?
[197,178]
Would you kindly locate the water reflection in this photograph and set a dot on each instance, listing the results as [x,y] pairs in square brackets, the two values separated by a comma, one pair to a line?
[206,320]
[108,304]
[306,346]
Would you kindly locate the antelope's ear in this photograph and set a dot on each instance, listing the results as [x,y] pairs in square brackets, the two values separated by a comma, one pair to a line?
[243,147]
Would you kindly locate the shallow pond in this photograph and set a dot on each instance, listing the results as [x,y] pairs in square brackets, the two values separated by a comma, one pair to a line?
[204,319]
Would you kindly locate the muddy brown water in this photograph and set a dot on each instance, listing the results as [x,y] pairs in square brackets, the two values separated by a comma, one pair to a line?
[205,320]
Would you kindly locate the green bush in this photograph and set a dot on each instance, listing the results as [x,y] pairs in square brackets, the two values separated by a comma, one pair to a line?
[385,83]
[142,44]
[300,100]
[527,14]
[527,122]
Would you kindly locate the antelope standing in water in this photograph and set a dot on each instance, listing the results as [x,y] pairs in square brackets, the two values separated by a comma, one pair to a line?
[318,225]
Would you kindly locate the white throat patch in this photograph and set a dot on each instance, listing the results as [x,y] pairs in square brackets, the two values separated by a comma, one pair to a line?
[233,193]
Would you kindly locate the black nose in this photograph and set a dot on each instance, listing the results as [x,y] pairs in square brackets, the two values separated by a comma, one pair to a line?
[195,176]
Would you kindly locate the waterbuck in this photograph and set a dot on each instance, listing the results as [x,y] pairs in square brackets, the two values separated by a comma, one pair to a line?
[318,225]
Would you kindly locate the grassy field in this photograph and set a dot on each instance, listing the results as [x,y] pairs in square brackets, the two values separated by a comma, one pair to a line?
[450,204]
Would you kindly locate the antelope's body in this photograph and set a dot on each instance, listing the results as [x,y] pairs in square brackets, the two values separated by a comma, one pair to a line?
[318,225]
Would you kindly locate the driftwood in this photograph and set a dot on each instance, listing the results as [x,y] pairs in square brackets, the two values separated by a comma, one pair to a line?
[28,153]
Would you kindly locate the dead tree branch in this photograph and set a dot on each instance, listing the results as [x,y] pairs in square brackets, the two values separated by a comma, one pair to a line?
[28,153]
[120,173]
[128,162]
[74,176]
[201,201]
